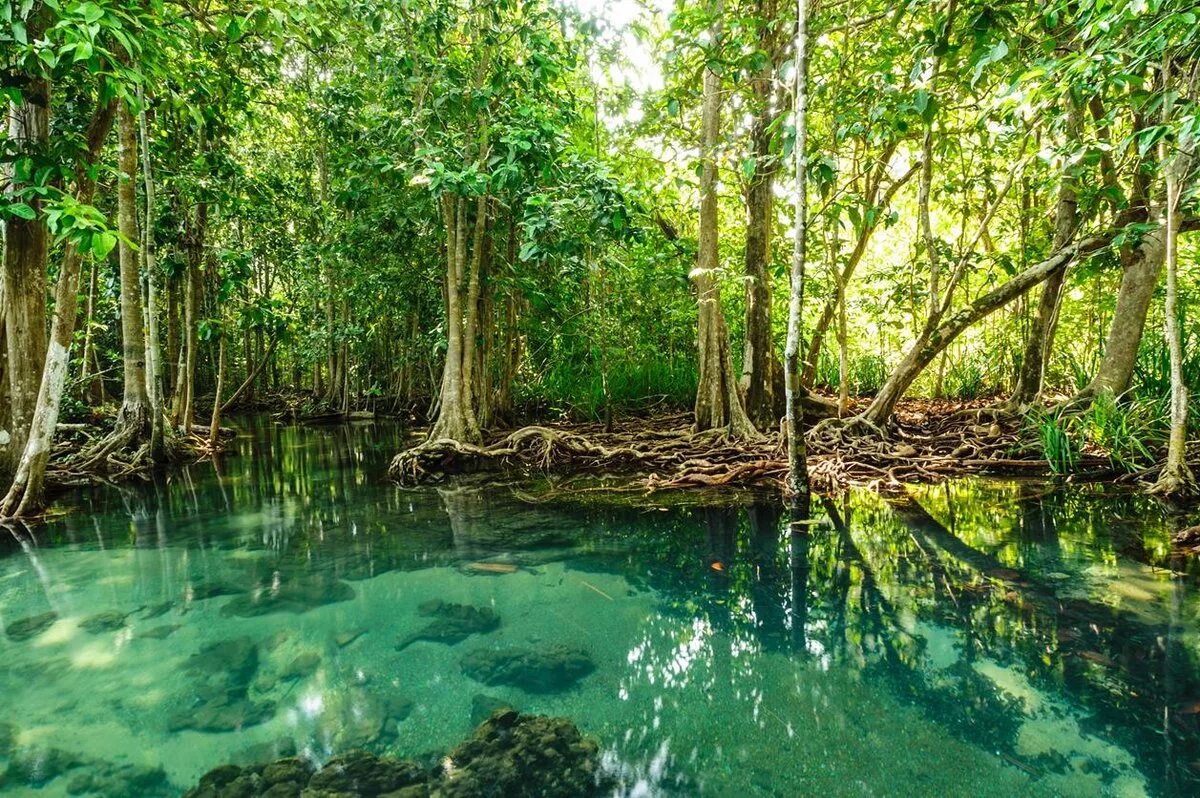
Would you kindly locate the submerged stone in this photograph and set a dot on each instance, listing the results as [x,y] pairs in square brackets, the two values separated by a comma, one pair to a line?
[29,627]
[362,773]
[160,632]
[116,781]
[208,590]
[546,670]
[219,702]
[344,639]
[35,768]
[514,754]
[452,623]
[508,755]
[107,621]
[482,707]
[295,597]
[156,610]
[303,665]
[8,739]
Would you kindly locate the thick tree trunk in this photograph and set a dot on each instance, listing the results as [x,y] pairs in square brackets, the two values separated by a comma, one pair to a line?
[214,421]
[718,403]
[762,373]
[134,417]
[25,496]
[456,415]
[24,277]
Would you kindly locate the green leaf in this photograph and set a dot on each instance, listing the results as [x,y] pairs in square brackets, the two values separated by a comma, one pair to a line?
[103,243]
[91,12]
[22,211]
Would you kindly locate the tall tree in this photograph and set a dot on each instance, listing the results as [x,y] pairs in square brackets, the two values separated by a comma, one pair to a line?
[797,482]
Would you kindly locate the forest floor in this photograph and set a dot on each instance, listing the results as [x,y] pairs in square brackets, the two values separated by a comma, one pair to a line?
[930,441]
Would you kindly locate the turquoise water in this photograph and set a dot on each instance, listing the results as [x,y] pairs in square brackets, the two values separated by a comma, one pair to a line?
[967,639]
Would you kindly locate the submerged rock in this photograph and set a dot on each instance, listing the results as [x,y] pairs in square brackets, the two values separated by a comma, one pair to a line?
[156,610]
[296,597]
[107,621]
[220,702]
[482,707]
[514,754]
[508,755]
[452,623]
[344,639]
[32,626]
[117,781]
[209,590]
[544,670]
[33,768]
[160,632]
[361,773]
[8,739]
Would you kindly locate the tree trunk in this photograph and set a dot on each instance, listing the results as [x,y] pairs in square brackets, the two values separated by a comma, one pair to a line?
[154,376]
[1175,479]
[24,277]
[25,495]
[456,416]
[1041,333]
[134,417]
[797,480]
[214,422]
[762,374]
[718,403]
[937,335]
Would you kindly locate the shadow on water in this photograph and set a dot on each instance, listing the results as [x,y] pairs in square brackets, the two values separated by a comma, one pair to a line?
[1044,633]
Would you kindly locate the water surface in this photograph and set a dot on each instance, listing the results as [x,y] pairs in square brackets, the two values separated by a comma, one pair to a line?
[978,638]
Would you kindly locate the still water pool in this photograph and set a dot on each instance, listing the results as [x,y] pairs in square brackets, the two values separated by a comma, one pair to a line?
[971,639]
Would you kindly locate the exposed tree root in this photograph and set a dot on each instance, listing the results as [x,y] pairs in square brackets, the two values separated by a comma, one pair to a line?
[663,454]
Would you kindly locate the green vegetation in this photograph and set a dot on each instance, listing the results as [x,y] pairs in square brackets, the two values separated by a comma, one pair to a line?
[485,214]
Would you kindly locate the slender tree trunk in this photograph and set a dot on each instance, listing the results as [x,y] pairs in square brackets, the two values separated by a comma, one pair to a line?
[24,279]
[1176,478]
[26,495]
[797,480]
[214,423]
[718,403]
[937,335]
[154,376]
[1041,333]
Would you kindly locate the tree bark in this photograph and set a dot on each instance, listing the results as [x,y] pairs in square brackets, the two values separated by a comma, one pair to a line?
[26,494]
[762,373]
[797,480]
[134,415]
[1041,332]
[154,384]
[718,402]
[24,277]
[936,337]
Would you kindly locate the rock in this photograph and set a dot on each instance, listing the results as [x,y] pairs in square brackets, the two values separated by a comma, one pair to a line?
[284,747]
[295,597]
[32,626]
[156,610]
[361,773]
[482,707]
[209,590]
[1188,538]
[160,632]
[8,740]
[284,771]
[116,781]
[344,639]
[546,670]
[514,754]
[228,781]
[223,672]
[37,767]
[452,623]
[107,621]
[303,665]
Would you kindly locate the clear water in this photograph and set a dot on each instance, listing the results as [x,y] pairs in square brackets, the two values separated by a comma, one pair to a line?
[981,639]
